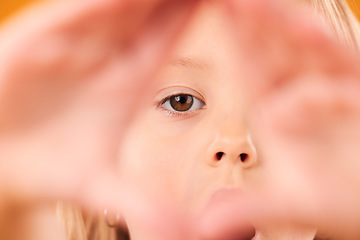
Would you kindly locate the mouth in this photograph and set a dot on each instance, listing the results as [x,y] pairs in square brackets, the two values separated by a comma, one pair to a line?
[222,217]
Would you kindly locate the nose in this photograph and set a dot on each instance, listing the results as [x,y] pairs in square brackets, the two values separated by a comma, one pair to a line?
[232,146]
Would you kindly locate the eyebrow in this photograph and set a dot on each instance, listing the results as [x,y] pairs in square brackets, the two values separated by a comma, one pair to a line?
[190,63]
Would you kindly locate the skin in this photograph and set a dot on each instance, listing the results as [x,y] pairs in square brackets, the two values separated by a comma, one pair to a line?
[304,87]
[84,71]
[172,155]
[61,79]
[66,133]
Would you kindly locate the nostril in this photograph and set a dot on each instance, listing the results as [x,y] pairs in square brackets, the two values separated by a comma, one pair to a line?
[219,156]
[243,157]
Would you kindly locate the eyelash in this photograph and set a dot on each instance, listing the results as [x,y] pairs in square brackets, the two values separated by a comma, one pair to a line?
[176,113]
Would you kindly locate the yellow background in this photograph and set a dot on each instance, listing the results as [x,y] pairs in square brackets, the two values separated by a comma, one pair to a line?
[8,7]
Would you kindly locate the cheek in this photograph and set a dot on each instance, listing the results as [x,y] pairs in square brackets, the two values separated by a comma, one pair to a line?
[159,159]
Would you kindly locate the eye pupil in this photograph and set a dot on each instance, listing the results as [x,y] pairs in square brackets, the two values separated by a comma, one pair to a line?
[181,102]
[181,99]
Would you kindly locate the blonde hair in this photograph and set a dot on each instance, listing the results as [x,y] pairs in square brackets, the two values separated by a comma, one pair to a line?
[79,226]
[338,15]
[343,23]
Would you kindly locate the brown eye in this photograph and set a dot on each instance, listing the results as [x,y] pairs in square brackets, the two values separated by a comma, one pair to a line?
[182,103]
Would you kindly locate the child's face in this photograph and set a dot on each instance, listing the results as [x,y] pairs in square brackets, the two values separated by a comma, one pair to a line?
[192,139]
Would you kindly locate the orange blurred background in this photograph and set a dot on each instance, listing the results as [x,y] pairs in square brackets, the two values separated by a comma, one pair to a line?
[355,6]
[8,7]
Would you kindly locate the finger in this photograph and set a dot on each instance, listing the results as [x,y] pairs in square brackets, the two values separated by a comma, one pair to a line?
[149,213]
[278,42]
[228,220]
[231,220]
[61,54]
[110,20]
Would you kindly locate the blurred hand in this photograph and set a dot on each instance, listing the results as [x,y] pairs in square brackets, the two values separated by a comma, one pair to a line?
[304,91]
[71,77]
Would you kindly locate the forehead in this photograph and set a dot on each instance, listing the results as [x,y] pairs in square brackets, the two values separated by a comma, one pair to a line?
[207,42]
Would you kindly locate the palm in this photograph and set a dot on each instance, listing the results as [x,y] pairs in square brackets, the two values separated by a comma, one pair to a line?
[304,87]
[69,90]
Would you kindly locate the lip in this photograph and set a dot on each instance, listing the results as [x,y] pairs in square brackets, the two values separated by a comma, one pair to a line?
[218,221]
